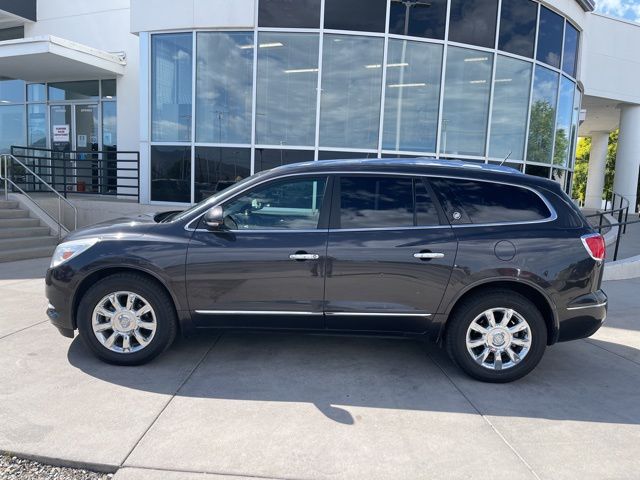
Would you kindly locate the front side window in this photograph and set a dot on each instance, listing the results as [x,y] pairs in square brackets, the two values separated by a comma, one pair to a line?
[292,204]
[489,202]
[385,202]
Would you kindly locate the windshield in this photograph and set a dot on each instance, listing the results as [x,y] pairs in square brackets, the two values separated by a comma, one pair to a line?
[212,199]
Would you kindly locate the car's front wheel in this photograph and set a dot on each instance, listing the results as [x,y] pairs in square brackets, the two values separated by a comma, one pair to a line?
[127,319]
[496,337]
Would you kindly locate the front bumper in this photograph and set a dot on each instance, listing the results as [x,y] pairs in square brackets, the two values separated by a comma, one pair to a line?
[59,292]
[583,316]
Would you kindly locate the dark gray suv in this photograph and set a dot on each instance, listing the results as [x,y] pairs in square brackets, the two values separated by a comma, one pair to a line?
[493,264]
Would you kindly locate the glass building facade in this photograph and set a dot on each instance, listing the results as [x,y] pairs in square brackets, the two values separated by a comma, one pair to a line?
[480,80]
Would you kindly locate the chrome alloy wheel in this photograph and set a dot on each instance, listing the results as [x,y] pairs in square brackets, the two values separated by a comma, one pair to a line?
[124,322]
[498,338]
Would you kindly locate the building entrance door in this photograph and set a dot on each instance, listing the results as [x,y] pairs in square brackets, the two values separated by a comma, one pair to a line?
[75,145]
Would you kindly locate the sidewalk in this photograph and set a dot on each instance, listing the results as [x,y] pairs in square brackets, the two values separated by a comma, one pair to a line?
[315,406]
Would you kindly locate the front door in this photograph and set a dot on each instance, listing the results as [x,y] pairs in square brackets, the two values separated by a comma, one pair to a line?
[266,268]
[389,257]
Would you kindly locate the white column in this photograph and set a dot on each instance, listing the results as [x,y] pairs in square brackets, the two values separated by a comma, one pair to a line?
[628,158]
[597,164]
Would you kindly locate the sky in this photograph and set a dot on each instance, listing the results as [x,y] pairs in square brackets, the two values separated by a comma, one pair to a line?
[627,9]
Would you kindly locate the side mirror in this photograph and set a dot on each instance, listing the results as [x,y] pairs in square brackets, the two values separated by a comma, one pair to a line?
[214,218]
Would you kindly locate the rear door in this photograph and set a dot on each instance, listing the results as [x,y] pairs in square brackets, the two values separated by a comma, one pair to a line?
[390,253]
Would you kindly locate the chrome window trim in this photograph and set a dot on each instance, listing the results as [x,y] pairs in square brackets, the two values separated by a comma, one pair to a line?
[553,214]
[582,307]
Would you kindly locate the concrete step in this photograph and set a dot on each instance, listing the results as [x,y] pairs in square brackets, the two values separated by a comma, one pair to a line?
[22,243]
[24,232]
[13,213]
[8,204]
[18,222]
[26,253]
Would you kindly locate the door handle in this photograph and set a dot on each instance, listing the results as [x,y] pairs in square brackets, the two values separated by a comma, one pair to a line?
[428,255]
[302,256]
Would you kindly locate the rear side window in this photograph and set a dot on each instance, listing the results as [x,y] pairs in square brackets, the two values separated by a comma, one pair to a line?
[385,202]
[489,202]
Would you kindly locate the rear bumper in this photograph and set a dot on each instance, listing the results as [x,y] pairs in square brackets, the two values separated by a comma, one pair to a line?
[583,316]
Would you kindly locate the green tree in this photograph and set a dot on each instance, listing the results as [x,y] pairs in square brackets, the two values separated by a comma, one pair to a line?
[541,132]
[581,167]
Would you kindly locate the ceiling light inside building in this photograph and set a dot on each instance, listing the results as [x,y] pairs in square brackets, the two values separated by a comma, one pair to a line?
[406,85]
[302,70]
[476,59]
[377,65]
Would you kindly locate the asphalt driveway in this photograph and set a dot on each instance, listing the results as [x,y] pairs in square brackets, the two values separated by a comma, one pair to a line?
[297,406]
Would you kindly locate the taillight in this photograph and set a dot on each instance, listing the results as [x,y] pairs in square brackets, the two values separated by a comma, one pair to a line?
[594,243]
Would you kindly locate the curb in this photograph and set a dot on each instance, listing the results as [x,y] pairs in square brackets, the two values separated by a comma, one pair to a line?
[624,269]
[59,462]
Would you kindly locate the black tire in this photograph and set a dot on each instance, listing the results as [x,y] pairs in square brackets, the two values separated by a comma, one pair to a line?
[159,300]
[475,305]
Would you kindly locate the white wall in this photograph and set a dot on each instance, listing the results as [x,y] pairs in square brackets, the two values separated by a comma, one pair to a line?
[155,15]
[611,61]
[103,25]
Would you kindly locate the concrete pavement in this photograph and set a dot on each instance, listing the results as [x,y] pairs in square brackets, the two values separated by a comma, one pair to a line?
[266,405]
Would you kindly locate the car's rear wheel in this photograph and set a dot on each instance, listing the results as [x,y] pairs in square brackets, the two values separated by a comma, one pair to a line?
[127,319]
[496,337]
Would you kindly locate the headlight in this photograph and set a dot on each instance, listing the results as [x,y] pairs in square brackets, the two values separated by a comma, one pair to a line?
[67,250]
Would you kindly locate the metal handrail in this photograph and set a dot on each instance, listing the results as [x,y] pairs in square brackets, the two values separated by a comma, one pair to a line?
[4,175]
[622,212]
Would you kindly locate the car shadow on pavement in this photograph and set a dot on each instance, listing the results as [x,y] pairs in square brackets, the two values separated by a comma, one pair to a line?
[578,381]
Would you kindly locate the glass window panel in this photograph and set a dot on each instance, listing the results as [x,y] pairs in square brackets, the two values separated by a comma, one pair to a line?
[489,202]
[570,51]
[473,22]
[330,155]
[224,84]
[518,27]
[11,91]
[550,37]
[412,96]
[266,159]
[361,15]
[289,13]
[426,212]
[575,121]
[418,18]
[171,173]
[109,88]
[285,204]
[217,168]
[510,108]
[351,91]
[466,101]
[563,123]
[560,176]
[74,90]
[376,202]
[543,115]
[171,90]
[12,129]
[109,130]
[287,89]
[11,33]
[37,125]
[537,171]
[36,92]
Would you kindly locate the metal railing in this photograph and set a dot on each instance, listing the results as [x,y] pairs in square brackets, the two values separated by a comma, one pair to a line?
[619,213]
[8,164]
[105,172]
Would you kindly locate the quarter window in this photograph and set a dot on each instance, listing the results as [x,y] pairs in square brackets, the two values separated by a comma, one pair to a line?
[489,202]
[384,202]
[286,204]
